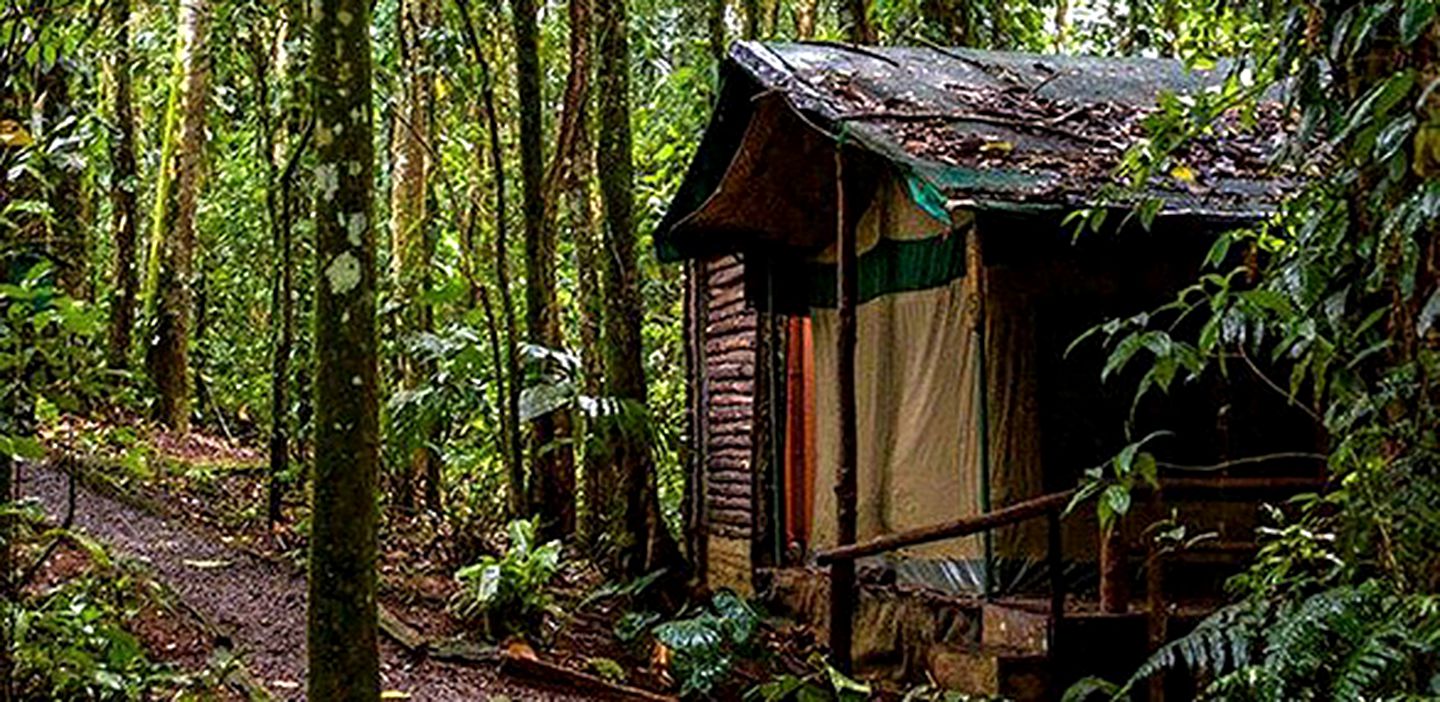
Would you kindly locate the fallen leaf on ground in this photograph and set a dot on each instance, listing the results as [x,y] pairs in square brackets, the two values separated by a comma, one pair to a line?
[207,565]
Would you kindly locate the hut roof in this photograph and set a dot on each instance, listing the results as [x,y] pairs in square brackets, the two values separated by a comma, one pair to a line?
[971,129]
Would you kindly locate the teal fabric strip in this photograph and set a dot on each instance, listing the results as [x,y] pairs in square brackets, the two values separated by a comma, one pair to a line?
[893,266]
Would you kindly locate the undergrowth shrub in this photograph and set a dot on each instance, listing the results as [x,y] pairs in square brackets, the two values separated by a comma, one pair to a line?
[707,644]
[507,594]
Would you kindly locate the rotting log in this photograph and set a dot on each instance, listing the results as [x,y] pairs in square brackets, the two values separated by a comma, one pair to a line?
[842,573]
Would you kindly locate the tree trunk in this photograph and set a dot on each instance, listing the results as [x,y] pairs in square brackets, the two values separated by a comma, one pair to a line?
[861,31]
[283,156]
[410,258]
[715,27]
[806,13]
[551,457]
[343,653]
[174,224]
[751,14]
[510,387]
[624,505]
[570,172]
[949,16]
[123,182]
[7,632]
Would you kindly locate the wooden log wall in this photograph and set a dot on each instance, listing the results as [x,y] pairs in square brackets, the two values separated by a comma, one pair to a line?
[728,399]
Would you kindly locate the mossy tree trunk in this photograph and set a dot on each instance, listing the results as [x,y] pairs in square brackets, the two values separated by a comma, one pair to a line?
[509,390]
[861,30]
[806,14]
[625,525]
[551,458]
[285,208]
[715,28]
[571,172]
[123,183]
[173,236]
[409,217]
[342,645]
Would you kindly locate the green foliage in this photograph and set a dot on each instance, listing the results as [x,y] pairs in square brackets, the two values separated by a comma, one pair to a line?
[48,356]
[71,645]
[823,684]
[1337,296]
[707,644]
[508,593]
[606,668]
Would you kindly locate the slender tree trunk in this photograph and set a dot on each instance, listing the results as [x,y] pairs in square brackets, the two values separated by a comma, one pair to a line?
[861,31]
[7,633]
[283,157]
[751,15]
[806,14]
[1062,24]
[556,490]
[510,406]
[343,653]
[624,505]
[123,182]
[174,224]
[582,213]
[551,457]
[997,25]
[715,27]
[410,258]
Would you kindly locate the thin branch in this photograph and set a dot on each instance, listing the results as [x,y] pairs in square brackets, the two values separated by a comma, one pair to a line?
[853,48]
[1274,386]
[1248,460]
[1021,125]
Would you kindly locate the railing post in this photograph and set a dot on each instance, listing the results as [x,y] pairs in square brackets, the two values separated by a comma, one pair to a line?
[842,573]
[1055,563]
[1156,623]
[1114,595]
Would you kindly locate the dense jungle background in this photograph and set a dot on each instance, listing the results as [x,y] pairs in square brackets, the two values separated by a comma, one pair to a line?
[367,293]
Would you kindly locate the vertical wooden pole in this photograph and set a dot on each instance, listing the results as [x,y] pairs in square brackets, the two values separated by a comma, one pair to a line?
[1114,598]
[1156,622]
[975,269]
[842,574]
[1056,565]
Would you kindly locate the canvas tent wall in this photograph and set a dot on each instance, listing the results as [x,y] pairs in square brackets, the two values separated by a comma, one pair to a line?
[954,137]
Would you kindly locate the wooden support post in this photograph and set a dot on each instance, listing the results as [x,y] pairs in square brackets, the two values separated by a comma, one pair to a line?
[975,269]
[1156,619]
[1114,590]
[842,573]
[1054,559]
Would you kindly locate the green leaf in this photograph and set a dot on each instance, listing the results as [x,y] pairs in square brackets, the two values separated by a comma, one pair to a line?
[1415,19]
[489,584]
[1117,501]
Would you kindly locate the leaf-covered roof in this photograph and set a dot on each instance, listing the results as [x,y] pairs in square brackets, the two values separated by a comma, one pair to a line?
[975,129]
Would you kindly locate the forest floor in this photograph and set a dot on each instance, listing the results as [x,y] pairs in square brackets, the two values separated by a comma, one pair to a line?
[254,604]
[191,511]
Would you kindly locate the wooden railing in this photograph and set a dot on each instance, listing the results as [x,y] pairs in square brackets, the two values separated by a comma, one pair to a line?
[1050,506]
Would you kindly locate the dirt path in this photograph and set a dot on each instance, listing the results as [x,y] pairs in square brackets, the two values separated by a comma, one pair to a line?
[259,604]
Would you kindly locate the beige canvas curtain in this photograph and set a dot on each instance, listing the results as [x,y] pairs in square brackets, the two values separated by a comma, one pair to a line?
[918,443]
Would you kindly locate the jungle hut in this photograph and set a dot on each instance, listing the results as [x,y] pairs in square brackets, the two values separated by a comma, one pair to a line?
[884,277]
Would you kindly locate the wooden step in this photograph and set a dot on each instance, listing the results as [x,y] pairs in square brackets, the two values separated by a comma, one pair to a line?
[1018,628]
[993,671]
